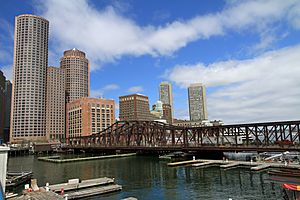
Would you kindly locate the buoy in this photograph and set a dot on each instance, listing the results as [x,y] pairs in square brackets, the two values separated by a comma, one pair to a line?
[29,190]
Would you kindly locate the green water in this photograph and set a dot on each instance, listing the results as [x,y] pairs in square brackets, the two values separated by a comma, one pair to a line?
[148,178]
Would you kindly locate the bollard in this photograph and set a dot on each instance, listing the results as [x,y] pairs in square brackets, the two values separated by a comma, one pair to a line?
[47,187]
[66,197]
[26,186]
[194,158]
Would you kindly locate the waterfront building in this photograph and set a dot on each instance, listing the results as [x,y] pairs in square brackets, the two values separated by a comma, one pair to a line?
[197,102]
[86,116]
[55,110]
[165,95]
[2,104]
[134,107]
[167,113]
[77,76]
[188,123]
[28,115]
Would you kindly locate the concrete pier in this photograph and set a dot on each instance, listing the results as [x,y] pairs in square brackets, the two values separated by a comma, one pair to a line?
[56,159]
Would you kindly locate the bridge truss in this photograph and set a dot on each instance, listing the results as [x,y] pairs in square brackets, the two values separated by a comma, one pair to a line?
[141,135]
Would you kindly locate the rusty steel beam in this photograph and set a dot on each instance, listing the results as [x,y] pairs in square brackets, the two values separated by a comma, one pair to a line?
[148,134]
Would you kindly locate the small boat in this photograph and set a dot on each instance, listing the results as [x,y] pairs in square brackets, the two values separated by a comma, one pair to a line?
[291,191]
[285,175]
[16,178]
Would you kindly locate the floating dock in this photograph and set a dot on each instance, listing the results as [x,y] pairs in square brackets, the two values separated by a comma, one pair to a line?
[57,159]
[93,191]
[74,184]
[183,163]
[255,166]
[42,195]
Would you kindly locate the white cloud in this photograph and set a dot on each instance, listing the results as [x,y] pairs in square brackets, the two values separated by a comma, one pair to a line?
[8,72]
[260,89]
[135,89]
[100,92]
[111,87]
[106,35]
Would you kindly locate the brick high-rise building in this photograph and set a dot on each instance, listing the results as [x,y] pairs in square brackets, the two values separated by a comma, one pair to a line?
[28,116]
[55,110]
[134,107]
[165,96]
[167,113]
[77,76]
[197,102]
[86,116]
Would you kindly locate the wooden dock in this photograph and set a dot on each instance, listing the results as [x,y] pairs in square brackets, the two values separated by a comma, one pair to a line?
[183,163]
[75,185]
[42,195]
[56,159]
[255,166]
[93,191]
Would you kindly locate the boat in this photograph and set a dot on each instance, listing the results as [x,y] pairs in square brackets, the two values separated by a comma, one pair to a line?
[291,191]
[285,175]
[16,178]
[290,182]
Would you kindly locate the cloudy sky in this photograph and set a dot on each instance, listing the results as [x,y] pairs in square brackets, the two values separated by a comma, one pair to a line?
[247,53]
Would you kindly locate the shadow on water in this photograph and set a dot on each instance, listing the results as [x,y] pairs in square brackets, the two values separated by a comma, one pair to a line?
[145,177]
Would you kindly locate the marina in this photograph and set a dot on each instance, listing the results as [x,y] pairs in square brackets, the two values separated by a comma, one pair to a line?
[147,177]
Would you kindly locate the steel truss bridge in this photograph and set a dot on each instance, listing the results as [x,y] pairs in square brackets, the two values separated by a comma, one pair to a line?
[157,136]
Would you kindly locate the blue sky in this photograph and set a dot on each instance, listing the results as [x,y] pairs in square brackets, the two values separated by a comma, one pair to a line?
[246,52]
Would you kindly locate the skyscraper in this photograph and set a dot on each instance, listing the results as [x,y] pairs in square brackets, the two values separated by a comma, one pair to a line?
[165,96]
[28,116]
[2,104]
[7,102]
[55,110]
[134,107]
[197,102]
[77,78]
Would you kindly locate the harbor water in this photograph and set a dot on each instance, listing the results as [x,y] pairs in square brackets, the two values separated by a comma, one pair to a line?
[146,177]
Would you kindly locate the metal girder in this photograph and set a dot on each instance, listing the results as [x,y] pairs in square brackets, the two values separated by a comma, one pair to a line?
[145,134]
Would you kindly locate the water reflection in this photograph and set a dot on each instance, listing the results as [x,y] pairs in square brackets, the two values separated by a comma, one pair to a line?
[149,178]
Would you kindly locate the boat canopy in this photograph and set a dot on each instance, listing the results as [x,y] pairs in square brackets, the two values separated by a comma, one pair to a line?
[291,187]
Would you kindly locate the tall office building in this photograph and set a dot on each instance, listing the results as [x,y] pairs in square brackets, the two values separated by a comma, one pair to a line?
[86,116]
[2,104]
[7,102]
[165,95]
[28,116]
[7,93]
[134,107]
[197,102]
[77,76]
[55,109]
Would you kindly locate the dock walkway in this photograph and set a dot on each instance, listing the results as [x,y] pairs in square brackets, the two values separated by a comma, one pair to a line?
[255,166]
[83,184]
[93,191]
